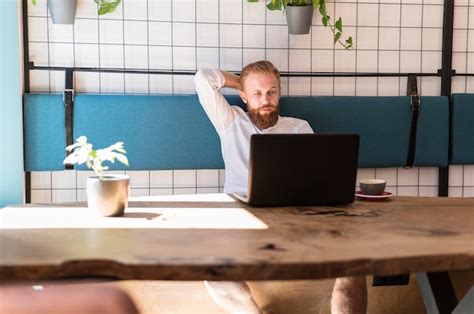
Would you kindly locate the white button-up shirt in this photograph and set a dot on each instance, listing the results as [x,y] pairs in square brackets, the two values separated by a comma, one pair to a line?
[235,128]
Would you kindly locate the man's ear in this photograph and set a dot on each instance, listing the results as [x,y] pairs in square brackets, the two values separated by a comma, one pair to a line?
[243,96]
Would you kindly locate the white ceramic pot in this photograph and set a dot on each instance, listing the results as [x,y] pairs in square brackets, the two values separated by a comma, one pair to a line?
[108,196]
[62,11]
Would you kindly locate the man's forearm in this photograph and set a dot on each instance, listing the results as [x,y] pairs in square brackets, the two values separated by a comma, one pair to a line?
[231,80]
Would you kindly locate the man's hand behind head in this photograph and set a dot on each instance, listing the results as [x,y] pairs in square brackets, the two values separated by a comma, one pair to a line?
[231,80]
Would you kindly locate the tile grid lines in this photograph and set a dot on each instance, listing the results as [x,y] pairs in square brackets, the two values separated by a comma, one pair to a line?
[49,81]
[345,2]
[238,24]
[420,87]
[399,49]
[265,48]
[311,59]
[123,46]
[219,54]
[195,64]
[467,45]
[334,55]
[172,49]
[74,81]
[288,60]
[148,47]
[98,50]
[378,57]
[218,34]
[241,34]
[49,53]
[217,47]
[357,50]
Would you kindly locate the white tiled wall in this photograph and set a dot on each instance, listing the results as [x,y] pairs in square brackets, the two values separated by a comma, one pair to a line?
[389,35]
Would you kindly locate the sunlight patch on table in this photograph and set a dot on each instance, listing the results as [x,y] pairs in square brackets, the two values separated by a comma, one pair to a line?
[134,218]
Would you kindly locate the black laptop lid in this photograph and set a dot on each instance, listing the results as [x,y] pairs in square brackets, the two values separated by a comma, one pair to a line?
[302,169]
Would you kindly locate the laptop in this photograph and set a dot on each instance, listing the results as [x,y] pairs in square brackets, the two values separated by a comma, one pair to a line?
[302,169]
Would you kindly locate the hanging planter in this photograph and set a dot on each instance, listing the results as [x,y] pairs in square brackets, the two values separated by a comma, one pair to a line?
[62,11]
[299,19]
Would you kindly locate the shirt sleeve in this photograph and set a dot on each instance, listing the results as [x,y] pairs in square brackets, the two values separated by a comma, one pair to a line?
[306,128]
[208,84]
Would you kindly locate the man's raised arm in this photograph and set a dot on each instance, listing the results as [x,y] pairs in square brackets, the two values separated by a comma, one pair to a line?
[208,84]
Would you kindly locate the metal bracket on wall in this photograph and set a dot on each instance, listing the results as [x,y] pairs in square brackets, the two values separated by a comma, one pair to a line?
[68,99]
[412,91]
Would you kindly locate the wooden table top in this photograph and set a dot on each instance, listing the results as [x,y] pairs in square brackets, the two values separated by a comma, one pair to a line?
[214,237]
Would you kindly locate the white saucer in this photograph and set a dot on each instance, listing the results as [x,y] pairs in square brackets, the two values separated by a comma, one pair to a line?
[385,195]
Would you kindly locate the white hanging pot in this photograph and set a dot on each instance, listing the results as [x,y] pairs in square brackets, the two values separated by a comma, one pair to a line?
[62,11]
[299,19]
[108,196]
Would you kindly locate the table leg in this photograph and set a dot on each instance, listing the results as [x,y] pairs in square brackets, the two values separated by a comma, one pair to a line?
[437,291]
[466,305]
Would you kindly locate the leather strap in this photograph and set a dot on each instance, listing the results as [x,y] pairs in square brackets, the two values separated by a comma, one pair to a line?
[412,91]
[68,99]
[415,110]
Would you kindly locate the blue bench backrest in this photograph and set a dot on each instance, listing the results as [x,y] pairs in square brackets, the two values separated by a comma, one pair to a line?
[173,132]
[462,127]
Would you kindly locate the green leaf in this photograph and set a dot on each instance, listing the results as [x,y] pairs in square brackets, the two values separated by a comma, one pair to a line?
[108,7]
[339,25]
[316,3]
[252,0]
[275,5]
[325,20]
[33,1]
[103,9]
[323,10]
[349,40]
[337,36]
[297,2]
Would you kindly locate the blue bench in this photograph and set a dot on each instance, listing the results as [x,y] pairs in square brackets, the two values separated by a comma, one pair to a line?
[462,129]
[173,132]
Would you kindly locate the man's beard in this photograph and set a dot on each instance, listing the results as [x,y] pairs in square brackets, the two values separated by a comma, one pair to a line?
[265,120]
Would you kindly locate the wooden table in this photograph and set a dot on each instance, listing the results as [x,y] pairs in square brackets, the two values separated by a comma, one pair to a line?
[214,237]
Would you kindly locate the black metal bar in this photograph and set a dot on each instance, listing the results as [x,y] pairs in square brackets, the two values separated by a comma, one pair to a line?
[412,91]
[68,99]
[412,85]
[437,291]
[446,79]
[175,72]
[26,87]
[443,181]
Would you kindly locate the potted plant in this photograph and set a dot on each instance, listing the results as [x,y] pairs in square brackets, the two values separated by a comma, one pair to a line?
[299,14]
[107,194]
[64,11]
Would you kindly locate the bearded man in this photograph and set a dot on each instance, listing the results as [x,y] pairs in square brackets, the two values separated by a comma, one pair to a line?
[259,88]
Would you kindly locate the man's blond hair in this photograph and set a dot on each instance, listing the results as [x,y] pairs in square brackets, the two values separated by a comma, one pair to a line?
[263,67]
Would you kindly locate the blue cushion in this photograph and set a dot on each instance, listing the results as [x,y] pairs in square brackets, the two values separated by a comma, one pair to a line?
[383,124]
[45,139]
[173,132]
[159,132]
[462,128]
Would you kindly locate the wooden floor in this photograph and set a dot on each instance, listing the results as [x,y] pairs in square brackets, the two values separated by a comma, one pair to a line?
[277,297]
